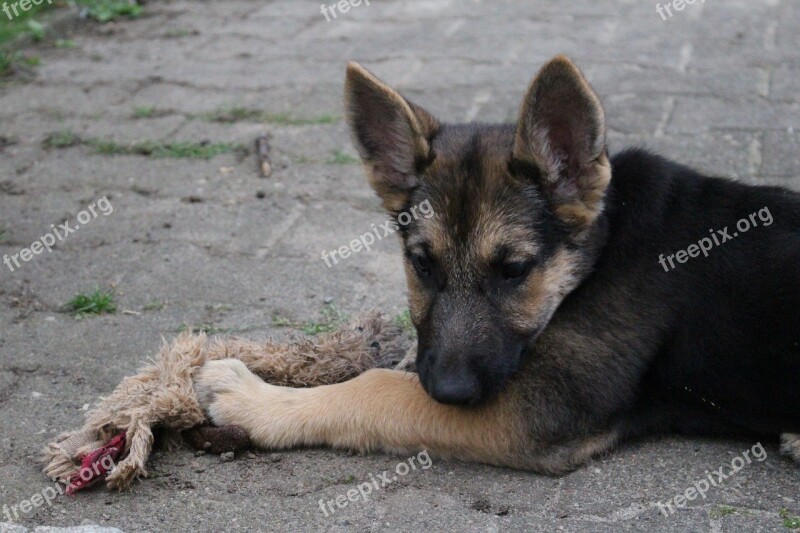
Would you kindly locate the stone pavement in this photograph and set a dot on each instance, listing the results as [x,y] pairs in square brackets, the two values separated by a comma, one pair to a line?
[208,242]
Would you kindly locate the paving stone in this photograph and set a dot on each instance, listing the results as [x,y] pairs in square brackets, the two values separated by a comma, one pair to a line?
[195,242]
[781,153]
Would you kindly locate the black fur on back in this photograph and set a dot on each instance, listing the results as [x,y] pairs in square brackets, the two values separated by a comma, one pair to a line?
[726,355]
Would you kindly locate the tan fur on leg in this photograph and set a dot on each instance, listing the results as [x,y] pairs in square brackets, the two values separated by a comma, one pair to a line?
[380,410]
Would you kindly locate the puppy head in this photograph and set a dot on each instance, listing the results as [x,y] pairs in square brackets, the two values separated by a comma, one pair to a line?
[515,218]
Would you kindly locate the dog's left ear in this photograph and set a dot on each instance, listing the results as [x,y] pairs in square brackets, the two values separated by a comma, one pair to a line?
[392,135]
[561,130]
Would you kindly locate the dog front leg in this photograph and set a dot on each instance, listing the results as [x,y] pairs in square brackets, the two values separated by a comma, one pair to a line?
[378,410]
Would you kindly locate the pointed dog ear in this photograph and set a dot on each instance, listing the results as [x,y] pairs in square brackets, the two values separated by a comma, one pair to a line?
[561,130]
[392,135]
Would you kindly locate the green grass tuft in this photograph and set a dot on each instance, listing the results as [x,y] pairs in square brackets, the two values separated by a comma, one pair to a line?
[6,63]
[108,10]
[721,510]
[789,520]
[177,33]
[96,303]
[24,24]
[404,321]
[288,120]
[153,306]
[62,139]
[233,114]
[144,111]
[177,149]
[36,30]
[28,24]
[229,114]
[65,43]
[11,62]
[331,319]
[340,158]
[208,329]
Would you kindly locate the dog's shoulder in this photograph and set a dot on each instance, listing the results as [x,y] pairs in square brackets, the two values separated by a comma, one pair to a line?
[648,186]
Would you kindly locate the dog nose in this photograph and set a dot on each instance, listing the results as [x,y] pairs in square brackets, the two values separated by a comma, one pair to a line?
[456,390]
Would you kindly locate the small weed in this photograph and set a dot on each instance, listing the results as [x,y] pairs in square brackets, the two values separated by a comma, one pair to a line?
[96,303]
[287,120]
[26,23]
[789,520]
[340,158]
[721,510]
[153,306]
[6,63]
[3,235]
[242,114]
[208,329]
[331,318]
[108,10]
[36,30]
[144,111]
[279,321]
[404,321]
[16,61]
[218,308]
[64,43]
[185,150]
[233,114]
[177,33]
[22,24]
[62,139]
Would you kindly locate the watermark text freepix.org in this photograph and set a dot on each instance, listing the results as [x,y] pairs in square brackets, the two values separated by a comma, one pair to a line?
[365,241]
[343,6]
[49,493]
[719,237]
[24,5]
[677,5]
[49,239]
[383,479]
[713,479]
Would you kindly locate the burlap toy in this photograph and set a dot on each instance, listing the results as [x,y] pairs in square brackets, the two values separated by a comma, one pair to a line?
[161,395]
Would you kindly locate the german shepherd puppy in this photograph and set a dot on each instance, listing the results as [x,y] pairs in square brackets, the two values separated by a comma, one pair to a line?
[550,327]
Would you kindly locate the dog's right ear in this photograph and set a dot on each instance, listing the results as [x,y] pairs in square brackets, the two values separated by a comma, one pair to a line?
[392,135]
[561,130]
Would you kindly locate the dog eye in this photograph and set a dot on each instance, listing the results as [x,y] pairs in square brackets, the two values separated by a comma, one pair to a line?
[517,270]
[422,263]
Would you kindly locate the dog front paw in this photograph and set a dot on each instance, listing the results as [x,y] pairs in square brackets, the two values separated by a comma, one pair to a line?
[224,389]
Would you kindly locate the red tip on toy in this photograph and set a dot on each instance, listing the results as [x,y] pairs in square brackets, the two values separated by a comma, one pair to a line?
[96,465]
